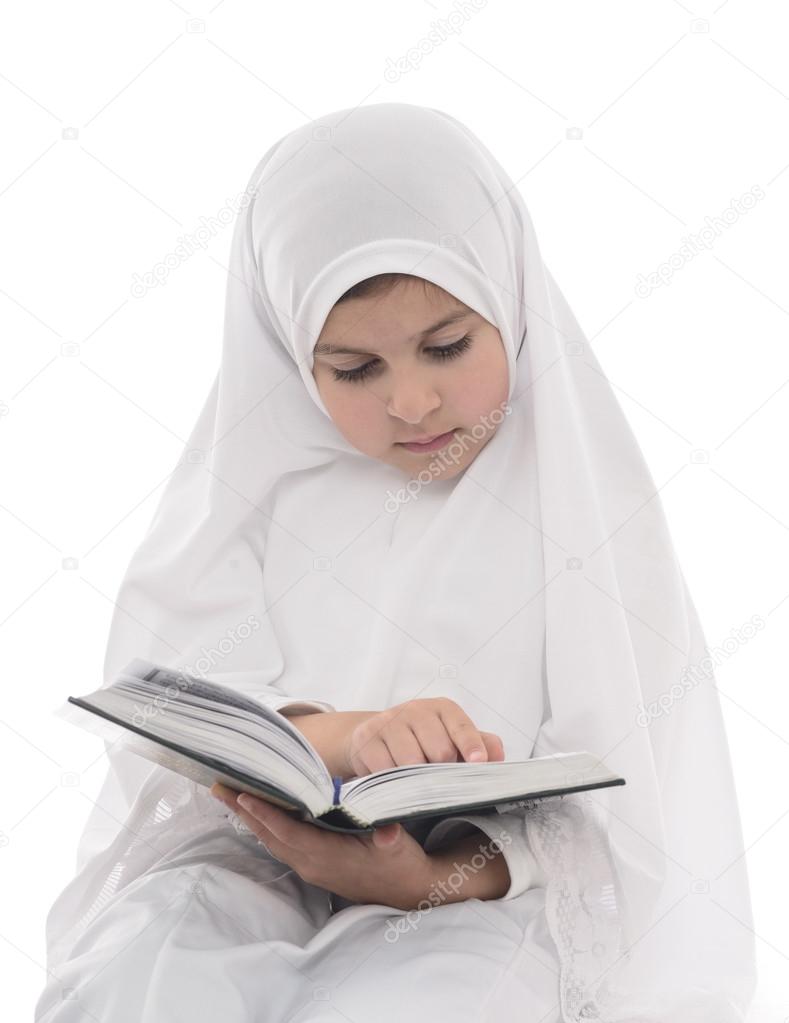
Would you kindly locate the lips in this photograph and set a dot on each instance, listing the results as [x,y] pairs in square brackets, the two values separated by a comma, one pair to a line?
[438,440]
[421,440]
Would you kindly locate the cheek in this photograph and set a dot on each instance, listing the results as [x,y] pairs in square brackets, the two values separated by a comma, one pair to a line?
[356,413]
[484,382]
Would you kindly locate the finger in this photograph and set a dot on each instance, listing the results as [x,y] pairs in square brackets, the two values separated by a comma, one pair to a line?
[303,841]
[494,745]
[435,740]
[279,850]
[463,732]
[372,755]
[276,822]
[223,792]
[404,747]
[387,835]
[316,855]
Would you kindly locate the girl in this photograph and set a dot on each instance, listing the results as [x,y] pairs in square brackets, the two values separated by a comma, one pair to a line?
[506,590]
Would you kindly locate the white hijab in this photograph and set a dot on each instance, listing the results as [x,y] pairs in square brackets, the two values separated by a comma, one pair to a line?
[546,564]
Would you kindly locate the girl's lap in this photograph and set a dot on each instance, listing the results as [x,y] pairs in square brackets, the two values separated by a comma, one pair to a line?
[221,924]
[473,960]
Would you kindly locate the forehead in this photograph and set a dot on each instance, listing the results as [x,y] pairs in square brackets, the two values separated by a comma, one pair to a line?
[411,304]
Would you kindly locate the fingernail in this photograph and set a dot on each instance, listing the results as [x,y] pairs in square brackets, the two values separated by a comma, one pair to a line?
[476,754]
[246,801]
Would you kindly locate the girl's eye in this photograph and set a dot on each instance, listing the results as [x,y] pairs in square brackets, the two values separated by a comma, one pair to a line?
[443,352]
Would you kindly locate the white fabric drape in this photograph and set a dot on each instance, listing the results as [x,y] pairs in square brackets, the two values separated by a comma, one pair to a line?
[539,589]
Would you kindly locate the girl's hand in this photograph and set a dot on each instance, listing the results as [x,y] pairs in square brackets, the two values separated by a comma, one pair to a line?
[388,867]
[416,732]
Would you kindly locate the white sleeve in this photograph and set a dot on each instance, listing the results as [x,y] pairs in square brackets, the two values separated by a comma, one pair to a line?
[508,830]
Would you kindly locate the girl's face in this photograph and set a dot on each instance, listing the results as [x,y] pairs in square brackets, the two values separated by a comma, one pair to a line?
[409,377]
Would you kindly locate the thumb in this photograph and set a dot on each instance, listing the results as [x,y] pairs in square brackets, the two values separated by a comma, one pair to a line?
[387,836]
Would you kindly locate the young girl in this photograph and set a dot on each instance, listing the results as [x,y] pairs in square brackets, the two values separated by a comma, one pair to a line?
[413,517]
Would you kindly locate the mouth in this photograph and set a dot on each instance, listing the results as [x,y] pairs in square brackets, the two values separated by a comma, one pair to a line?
[432,444]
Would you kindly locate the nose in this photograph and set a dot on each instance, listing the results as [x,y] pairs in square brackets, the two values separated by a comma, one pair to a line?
[413,402]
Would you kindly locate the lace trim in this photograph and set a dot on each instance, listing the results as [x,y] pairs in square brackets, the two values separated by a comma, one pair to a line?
[582,908]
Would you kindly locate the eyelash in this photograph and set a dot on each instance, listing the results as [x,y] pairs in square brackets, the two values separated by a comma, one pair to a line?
[444,352]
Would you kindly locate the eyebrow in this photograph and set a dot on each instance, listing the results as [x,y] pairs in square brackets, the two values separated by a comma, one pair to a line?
[325,348]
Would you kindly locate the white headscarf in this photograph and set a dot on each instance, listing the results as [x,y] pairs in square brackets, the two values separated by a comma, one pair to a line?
[549,555]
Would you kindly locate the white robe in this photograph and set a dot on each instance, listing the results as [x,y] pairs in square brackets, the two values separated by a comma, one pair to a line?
[586,641]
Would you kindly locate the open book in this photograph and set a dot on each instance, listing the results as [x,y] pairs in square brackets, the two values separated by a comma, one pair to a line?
[210,732]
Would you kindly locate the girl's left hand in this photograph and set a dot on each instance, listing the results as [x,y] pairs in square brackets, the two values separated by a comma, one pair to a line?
[388,867]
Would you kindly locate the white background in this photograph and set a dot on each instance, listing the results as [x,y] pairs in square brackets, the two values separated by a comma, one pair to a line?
[625,126]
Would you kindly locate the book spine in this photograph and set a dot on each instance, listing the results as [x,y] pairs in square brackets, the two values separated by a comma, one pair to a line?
[336,798]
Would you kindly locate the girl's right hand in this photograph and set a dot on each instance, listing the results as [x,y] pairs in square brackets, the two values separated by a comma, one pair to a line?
[416,732]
